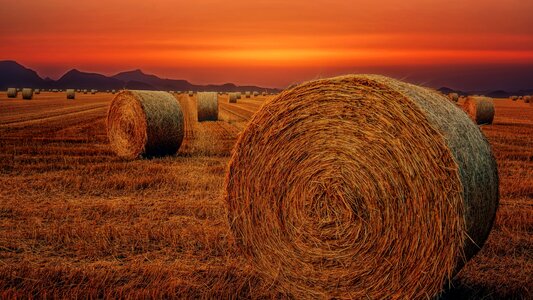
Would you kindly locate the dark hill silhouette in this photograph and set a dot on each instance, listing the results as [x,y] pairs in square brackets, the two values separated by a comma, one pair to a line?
[13,74]
[82,80]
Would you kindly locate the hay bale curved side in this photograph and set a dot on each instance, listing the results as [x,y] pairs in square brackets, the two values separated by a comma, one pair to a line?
[233,98]
[314,204]
[207,106]
[145,123]
[12,93]
[27,93]
[480,109]
[71,94]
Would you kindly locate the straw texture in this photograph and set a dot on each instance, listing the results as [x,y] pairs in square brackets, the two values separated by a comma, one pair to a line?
[12,93]
[71,94]
[453,96]
[233,98]
[480,109]
[360,187]
[207,106]
[145,123]
[27,93]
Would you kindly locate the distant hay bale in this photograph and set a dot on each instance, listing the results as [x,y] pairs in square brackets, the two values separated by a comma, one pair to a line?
[256,94]
[191,93]
[85,91]
[527,99]
[12,93]
[27,93]
[145,123]
[453,96]
[480,109]
[37,91]
[94,91]
[113,92]
[54,90]
[360,187]
[239,95]
[71,94]
[247,94]
[514,98]
[207,106]
[233,98]
[263,94]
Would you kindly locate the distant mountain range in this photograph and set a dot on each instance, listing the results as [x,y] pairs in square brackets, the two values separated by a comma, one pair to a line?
[12,74]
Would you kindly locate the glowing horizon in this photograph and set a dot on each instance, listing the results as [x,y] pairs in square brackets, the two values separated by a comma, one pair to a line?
[270,43]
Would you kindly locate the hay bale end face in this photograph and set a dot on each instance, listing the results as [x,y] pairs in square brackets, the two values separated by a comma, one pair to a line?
[12,93]
[145,123]
[322,213]
[233,98]
[27,93]
[207,106]
[71,94]
[480,109]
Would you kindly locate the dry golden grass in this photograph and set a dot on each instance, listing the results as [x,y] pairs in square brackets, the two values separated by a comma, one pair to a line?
[76,221]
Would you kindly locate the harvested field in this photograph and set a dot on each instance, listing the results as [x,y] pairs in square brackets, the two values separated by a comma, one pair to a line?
[77,221]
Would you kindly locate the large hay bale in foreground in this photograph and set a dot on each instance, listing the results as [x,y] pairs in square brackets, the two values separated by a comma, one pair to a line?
[27,93]
[360,187]
[12,93]
[71,94]
[233,98]
[207,106]
[145,123]
[480,109]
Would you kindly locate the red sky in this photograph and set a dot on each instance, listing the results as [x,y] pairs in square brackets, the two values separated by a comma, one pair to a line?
[275,43]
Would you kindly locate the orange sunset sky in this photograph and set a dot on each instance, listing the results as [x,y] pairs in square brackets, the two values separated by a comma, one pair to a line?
[467,44]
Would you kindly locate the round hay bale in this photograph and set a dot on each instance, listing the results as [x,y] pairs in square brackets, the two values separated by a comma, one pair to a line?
[85,91]
[94,91]
[233,98]
[263,94]
[27,93]
[453,96]
[191,94]
[480,109]
[256,94]
[71,94]
[12,93]
[113,92]
[360,187]
[207,106]
[527,99]
[37,91]
[514,98]
[247,94]
[145,123]
[239,95]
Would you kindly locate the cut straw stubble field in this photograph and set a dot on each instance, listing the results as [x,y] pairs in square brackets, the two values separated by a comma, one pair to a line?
[79,222]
